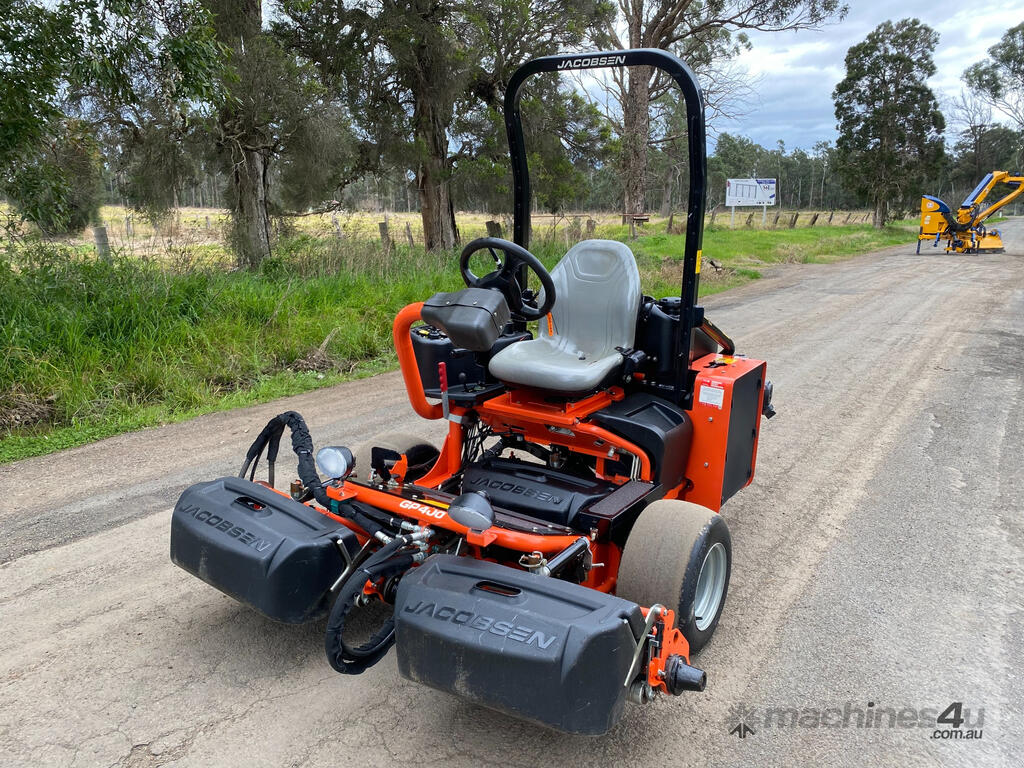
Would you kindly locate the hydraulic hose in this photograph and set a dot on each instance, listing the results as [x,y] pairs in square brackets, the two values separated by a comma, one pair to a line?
[385,562]
[350,660]
[302,445]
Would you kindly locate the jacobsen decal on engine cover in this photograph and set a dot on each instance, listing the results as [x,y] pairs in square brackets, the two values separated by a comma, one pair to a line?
[221,524]
[501,485]
[483,623]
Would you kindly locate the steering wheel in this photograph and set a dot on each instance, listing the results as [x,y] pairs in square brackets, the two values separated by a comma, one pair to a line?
[504,278]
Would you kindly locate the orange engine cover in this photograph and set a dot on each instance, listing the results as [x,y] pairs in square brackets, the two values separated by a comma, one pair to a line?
[727,399]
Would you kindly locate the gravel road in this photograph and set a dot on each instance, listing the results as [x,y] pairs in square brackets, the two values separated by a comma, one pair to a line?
[877,575]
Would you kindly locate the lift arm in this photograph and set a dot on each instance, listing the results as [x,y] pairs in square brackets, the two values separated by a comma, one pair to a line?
[1016,189]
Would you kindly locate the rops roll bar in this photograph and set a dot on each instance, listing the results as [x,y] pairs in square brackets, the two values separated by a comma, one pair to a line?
[691,315]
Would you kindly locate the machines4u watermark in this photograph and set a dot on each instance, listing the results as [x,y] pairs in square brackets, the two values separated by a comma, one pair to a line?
[953,722]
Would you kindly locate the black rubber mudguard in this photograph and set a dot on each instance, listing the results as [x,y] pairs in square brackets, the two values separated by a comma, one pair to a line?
[265,550]
[535,647]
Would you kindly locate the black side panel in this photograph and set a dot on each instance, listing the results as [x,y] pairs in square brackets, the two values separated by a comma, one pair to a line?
[265,550]
[535,489]
[654,424]
[743,421]
[535,647]
[613,516]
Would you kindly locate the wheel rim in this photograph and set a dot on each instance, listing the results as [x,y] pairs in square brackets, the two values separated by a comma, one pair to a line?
[710,587]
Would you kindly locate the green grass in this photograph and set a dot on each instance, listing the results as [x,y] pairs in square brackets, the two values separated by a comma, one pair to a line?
[742,254]
[92,349]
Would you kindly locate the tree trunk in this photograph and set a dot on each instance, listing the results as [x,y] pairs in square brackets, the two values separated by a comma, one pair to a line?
[251,220]
[238,24]
[433,179]
[666,192]
[636,122]
[436,209]
[880,213]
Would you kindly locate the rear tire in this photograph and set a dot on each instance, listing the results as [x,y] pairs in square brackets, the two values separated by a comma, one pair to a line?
[679,554]
[421,454]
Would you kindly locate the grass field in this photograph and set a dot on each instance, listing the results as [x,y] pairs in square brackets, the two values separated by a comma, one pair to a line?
[94,348]
[203,227]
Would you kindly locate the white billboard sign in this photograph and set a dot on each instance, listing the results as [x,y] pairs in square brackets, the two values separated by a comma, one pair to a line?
[749,192]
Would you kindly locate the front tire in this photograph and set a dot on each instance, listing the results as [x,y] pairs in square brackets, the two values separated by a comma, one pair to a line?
[679,554]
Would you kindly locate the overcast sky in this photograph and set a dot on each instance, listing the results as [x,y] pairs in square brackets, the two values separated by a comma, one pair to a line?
[799,70]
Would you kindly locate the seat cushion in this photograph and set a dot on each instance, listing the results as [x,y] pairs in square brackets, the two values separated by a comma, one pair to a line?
[598,295]
[548,365]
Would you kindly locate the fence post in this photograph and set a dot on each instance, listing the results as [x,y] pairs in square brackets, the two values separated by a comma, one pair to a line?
[775,221]
[830,215]
[814,218]
[408,234]
[385,238]
[714,212]
[750,220]
[575,229]
[128,229]
[493,228]
[337,228]
[847,219]
[792,222]
[99,234]
[207,222]
[632,228]
[591,227]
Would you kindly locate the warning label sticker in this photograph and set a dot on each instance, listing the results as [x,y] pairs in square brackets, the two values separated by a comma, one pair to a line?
[713,396]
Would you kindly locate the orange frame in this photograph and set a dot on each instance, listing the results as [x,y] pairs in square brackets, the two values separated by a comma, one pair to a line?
[541,421]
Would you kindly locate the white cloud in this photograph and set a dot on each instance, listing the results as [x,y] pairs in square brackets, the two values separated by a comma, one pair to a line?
[797,71]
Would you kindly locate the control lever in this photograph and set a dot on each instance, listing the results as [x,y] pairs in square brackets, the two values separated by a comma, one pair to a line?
[442,382]
[634,358]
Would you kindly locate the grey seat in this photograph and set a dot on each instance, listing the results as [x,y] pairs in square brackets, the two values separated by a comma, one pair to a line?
[598,296]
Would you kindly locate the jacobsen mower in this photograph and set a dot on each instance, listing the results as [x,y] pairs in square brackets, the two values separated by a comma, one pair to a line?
[561,553]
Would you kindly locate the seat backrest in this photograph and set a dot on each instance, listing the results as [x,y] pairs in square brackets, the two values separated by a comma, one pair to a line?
[598,288]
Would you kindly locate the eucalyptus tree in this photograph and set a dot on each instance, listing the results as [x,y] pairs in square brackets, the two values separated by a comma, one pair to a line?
[412,74]
[57,57]
[701,32]
[999,79]
[890,126]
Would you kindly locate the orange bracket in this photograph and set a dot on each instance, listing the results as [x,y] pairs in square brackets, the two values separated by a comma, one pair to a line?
[671,642]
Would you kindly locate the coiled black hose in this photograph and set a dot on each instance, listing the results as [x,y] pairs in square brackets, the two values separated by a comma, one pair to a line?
[353,660]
